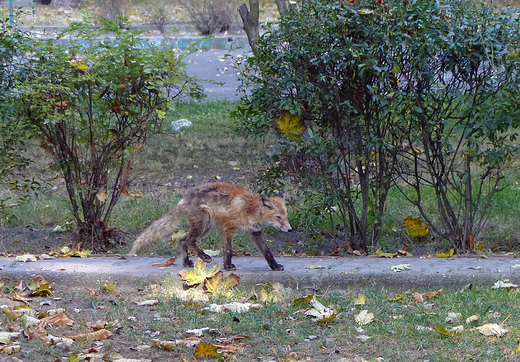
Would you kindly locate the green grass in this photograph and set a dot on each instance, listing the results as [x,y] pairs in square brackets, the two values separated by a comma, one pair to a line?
[402,330]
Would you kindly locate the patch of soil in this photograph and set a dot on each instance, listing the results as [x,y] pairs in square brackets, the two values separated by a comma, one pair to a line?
[21,239]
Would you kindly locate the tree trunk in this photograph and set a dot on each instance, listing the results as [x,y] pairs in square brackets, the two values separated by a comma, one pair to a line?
[250,20]
[282,7]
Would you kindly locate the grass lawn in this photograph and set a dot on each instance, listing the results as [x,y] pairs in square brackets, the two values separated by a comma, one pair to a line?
[369,324]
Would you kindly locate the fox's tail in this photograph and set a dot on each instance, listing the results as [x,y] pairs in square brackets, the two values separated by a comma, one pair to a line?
[158,230]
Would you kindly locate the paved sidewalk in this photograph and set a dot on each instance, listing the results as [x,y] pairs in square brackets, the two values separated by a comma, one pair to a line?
[316,273]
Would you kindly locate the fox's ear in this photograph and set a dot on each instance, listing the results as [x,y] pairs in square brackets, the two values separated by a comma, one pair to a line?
[266,201]
[281,194]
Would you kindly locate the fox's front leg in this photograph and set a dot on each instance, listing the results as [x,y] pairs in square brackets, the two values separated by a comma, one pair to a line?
[261,245]
[227,248]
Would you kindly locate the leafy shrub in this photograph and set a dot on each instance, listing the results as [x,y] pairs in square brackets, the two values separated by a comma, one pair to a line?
[210,16]
[13,44]
[368,97]
[94,103]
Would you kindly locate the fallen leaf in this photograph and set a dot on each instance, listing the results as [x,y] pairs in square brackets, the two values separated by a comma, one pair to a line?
[5,337]
[473,318]
[400,267]
[148,302]
[453,317]
[359,300]
[450,333]
[109,287]
[99,335]
[397,297]
[492,329]
[12,349]
[167,262]
[233,307]
[430,295]
[197,332]
[206,350]
[52,340]
[381,254]
[218,282]
[504,284]
[199,273]
[364,317]
[43,290]
[320,312]
[446,255]
[164,345]
[25,258]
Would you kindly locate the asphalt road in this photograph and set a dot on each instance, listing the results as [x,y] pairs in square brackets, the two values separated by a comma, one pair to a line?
[216,65]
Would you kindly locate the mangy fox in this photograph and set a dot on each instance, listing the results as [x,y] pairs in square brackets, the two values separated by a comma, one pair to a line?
[229,206]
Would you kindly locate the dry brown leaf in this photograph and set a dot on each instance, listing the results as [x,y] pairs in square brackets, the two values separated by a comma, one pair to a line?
[58,320]
[99,335]
[167,262]
[430,295]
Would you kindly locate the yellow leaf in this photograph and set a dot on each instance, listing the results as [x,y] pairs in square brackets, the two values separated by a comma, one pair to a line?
[101,196]
[43,290]
[206,350]
[442,330]
[199,273]
[109,287]
[381,254]
[218,282]
[446,255]
[397,298]
[78,64]
[492,329]
[290,125]
[415,227]
[474,317]
[359,300]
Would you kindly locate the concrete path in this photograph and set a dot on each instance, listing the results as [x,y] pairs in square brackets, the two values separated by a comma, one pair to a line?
[316,273]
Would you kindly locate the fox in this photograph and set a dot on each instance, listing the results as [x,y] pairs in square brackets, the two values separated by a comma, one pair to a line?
[228,206]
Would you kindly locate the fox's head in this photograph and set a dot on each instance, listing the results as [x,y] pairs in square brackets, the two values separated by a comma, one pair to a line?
[274,212]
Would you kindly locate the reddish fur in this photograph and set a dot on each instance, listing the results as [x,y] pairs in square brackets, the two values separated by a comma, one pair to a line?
[229,206]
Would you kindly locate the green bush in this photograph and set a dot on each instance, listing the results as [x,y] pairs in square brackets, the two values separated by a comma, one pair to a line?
[368,97]
[94,103]
[13,43]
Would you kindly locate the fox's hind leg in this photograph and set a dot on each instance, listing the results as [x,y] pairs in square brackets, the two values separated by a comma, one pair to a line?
[198,228]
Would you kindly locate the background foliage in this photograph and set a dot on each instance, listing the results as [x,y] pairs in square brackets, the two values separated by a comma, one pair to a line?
[406,95]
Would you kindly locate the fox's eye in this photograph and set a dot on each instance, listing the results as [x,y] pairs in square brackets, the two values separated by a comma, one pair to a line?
[278,217]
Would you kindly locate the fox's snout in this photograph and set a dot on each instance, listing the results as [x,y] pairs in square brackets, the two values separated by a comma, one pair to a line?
[285,228]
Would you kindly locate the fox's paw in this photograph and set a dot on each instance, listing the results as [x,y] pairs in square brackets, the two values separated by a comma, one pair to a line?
[278,267]
[205,257]
[187,264]
[230,267]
